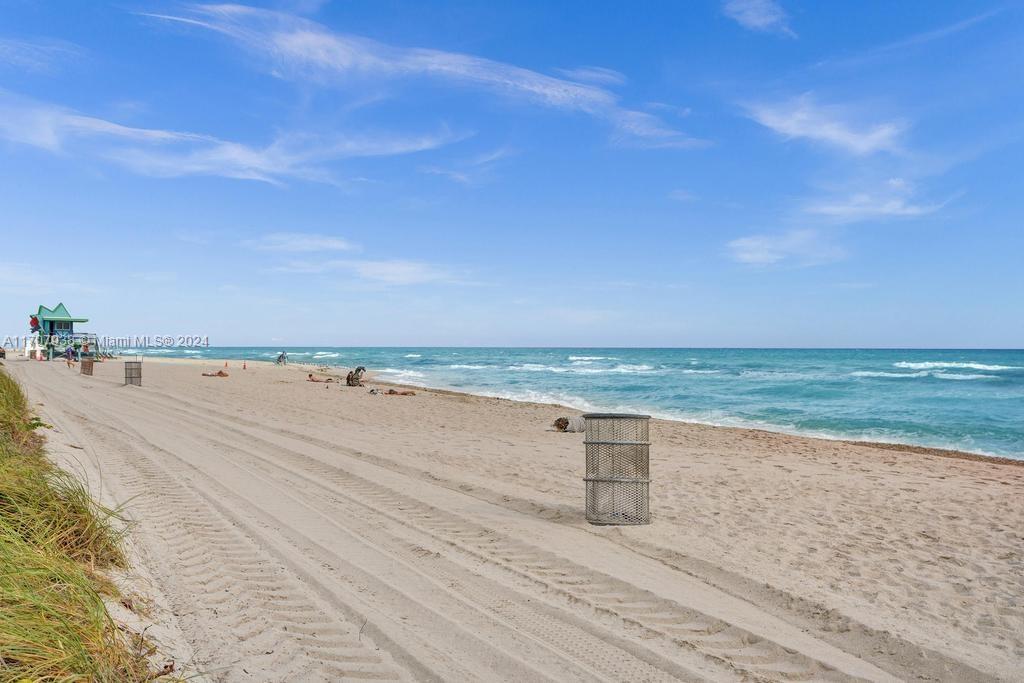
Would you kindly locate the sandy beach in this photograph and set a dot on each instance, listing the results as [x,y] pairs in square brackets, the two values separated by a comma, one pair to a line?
[287,530]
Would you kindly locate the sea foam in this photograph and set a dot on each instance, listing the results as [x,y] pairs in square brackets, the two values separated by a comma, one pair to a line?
[940,365]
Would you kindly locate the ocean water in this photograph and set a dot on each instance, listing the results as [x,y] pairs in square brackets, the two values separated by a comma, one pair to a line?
[961,399]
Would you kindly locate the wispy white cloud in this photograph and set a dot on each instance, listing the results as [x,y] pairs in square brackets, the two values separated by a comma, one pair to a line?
[389,272]
[645,131]
[471,171]
[759,15]
[913,41]
[673,109]
[168,153]
[893,200]
[50,127]
[682,196]
[462,177]
[300,49]
[803,117]
[594,74]
[398,272]
[798,247]
[42,55]
[298,242]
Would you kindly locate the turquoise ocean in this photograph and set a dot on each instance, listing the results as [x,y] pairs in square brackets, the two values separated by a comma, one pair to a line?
[960,399]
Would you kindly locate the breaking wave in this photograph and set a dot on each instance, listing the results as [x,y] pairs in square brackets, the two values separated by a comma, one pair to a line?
[626,369]
[942,365]
[921,373]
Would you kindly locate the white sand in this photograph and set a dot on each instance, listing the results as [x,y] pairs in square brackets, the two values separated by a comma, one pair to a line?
[291,531]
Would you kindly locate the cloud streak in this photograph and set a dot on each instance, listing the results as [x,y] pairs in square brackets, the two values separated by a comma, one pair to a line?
[388,272]
[765,16]
[38,56]
[892,199]
[802,117]
[594,74]
[912,41]
[299,49]
[298,242]
[799,247]
[168,153]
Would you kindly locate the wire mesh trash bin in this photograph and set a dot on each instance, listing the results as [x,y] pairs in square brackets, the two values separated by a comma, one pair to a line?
[87,364]
[618,468]
[133,372]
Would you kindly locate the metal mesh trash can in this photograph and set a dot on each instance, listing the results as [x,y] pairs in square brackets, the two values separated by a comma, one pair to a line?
[618,468]
[133,372]
[87,364]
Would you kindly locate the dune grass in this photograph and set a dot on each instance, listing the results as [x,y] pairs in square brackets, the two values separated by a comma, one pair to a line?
[54,541]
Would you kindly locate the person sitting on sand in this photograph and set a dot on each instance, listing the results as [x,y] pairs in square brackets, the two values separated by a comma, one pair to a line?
[311,378]
[355,378]
[219,373]
[570,424]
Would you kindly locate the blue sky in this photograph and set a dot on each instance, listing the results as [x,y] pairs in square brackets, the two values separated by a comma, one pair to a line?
[739,173]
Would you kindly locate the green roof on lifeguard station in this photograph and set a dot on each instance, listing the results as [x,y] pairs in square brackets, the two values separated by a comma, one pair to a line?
[58,314]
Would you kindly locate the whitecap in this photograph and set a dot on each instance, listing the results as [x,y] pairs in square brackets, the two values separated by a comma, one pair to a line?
[531,367]
[403,373]
[626,369]
[632,368]
[413,355]
[958,376]
[778,375]
[871,373]
[940,365]
[468,367]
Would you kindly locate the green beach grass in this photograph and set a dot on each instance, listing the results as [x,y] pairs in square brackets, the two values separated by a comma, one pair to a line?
[54,543]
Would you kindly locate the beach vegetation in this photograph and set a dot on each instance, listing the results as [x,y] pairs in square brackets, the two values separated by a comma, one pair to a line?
[56,542]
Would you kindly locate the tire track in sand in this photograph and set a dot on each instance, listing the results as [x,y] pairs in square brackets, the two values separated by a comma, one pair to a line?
[233,598]
[715,639]
[900,657]
[599,657]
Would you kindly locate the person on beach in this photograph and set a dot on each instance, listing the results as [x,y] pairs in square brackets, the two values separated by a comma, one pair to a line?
[219,373]
[311,378]
[392,392]
[282,358]
[355,378]
[69,356]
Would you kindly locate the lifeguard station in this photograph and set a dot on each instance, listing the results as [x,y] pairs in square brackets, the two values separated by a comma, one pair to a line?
[53,331]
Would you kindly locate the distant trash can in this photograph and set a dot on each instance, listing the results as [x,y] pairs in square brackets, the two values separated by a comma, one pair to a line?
[133,372]
[618,468]
[87,364]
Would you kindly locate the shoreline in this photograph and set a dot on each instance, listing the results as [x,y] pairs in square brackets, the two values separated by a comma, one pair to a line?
[374,377]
